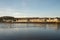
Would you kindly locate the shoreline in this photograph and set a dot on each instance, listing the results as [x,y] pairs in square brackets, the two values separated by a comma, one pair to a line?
[34,22]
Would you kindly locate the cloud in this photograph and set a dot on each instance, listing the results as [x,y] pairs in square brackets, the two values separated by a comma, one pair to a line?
[8,12]
[13,12]
[16,12]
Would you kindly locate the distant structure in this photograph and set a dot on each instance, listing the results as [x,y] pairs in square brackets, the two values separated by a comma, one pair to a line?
[9,19]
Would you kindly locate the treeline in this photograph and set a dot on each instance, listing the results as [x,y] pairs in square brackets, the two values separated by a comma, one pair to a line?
[5,18]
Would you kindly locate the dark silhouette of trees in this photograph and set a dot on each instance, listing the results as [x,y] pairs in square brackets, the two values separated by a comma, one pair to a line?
[6,18]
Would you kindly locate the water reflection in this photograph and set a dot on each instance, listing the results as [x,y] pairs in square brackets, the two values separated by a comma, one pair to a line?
[21,25]
[28,31]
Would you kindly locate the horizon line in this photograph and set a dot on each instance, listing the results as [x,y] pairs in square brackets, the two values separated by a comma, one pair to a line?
[33,16]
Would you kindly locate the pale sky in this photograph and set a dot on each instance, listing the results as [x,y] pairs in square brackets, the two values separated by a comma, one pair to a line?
[30,8]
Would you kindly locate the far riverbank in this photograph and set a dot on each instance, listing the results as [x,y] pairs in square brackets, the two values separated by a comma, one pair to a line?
[34,22]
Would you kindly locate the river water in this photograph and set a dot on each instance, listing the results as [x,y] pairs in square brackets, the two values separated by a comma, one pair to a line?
[20,31]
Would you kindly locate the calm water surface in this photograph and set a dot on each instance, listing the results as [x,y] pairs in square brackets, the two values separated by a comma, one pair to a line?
[29,31]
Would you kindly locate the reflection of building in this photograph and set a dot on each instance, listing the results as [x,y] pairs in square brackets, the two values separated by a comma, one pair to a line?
[53,26]
[58,26]
[48,26]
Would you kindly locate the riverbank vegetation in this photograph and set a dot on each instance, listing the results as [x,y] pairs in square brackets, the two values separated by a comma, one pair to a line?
[33,19]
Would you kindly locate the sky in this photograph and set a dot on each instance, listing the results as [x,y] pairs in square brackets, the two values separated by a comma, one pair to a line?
[30,8]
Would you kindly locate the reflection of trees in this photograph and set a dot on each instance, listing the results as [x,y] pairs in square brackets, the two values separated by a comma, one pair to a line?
[39,25]
[58,26]
[51,26]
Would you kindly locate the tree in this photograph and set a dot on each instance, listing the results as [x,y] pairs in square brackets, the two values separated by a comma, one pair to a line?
[7,18]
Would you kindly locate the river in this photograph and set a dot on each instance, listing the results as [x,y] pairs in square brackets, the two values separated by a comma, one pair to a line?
[29,31]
